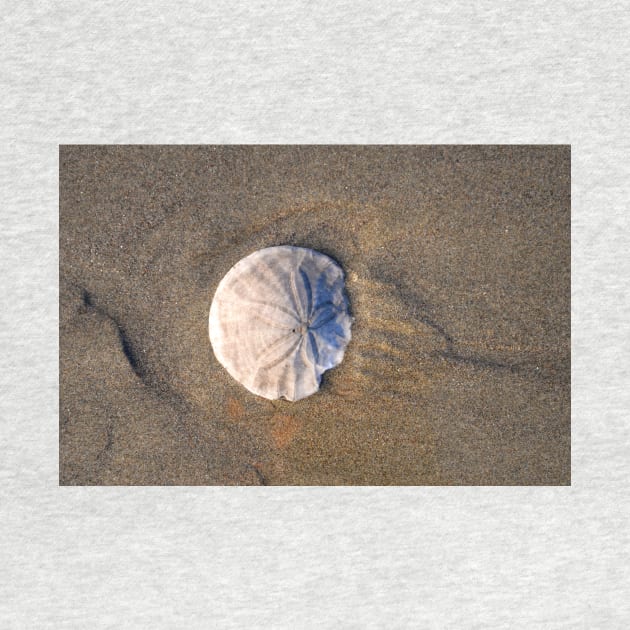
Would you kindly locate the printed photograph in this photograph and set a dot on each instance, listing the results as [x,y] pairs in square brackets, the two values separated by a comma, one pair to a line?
[315,315]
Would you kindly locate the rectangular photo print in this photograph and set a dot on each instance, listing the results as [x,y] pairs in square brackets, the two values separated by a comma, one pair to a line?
[315,315]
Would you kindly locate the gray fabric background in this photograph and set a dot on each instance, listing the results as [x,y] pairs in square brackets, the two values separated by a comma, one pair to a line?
[336,72]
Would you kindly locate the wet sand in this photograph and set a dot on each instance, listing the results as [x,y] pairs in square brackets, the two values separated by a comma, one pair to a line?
[458,273]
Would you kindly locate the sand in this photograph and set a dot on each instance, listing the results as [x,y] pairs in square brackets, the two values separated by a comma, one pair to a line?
[458,273]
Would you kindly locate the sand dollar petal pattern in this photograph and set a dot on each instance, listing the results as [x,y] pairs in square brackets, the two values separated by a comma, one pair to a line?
[279,319]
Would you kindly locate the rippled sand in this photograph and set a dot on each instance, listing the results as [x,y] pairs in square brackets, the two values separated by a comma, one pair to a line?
[458,272]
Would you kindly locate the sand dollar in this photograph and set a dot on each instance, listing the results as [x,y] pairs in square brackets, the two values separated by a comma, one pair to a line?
[279,319]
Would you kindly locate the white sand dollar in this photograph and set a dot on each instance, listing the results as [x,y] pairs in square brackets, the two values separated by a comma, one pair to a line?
[279,319]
